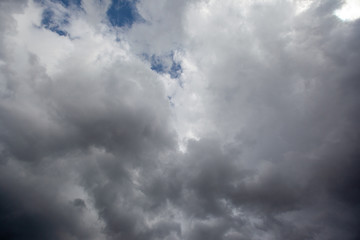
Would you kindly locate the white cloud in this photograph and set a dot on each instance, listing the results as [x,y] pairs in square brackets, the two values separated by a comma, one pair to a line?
[349,11]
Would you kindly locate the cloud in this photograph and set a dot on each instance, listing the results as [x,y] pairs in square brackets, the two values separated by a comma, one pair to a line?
[207,119]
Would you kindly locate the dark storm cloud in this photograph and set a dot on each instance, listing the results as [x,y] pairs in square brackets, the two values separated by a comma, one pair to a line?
[71,118]
[304,144]
[75,114]
[297,157]
[94,127]
[90,152]
[31,209]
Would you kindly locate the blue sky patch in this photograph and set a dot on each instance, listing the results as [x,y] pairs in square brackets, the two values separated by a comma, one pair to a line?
[165,64]
[68,3]
[49,22]
[158,64]
[175,70]
[123,13]
[55,20]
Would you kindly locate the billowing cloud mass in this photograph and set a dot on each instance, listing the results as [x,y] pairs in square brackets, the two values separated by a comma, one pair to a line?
[179,120]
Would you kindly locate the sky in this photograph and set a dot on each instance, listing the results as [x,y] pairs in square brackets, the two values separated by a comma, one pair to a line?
[179,120]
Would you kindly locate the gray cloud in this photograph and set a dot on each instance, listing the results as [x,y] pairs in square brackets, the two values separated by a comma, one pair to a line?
[269,110]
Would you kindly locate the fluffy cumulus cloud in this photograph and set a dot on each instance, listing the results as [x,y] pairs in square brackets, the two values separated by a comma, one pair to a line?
[179,120]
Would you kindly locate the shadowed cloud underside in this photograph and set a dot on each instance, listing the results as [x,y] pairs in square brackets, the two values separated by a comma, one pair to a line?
[179,120]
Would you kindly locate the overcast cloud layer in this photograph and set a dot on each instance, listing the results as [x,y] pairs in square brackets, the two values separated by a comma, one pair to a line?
[191,120]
